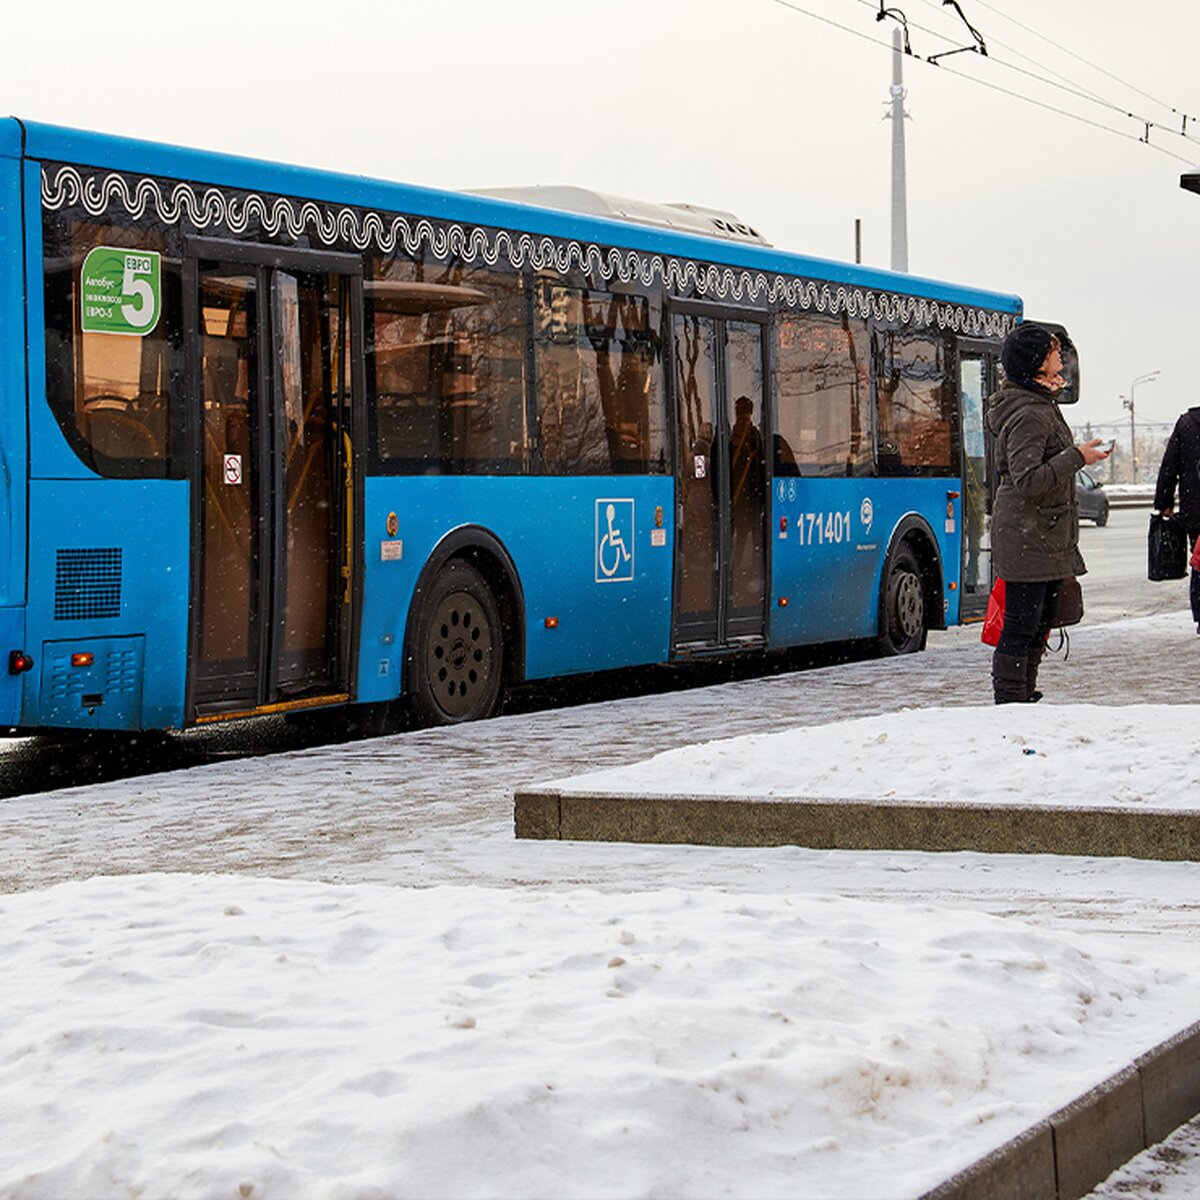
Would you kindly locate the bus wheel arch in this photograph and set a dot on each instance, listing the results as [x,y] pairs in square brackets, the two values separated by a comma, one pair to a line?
[911,591]
[468,567]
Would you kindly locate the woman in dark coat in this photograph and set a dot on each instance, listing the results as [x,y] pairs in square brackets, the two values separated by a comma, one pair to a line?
[1181,466]
[1035,517]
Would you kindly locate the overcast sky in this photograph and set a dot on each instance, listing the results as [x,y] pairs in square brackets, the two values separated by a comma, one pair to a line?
[741,104]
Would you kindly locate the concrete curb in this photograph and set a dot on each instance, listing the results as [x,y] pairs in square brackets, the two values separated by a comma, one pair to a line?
[843,824]
[1065,1156]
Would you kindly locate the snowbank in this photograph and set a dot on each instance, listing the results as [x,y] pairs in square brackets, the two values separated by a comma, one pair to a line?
[1138,756]
[215,1036]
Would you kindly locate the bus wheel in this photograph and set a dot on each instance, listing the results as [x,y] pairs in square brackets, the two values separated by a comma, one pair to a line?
[458,649]
[903,629]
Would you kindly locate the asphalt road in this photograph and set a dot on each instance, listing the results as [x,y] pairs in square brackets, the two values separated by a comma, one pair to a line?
[1116,585]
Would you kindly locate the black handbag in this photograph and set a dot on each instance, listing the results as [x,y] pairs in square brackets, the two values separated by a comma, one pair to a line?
[1068,606]
[1167,548]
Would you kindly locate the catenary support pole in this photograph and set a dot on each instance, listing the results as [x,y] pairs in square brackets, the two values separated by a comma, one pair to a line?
[899,183]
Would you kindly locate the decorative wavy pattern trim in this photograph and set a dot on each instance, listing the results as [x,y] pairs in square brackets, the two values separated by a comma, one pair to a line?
[204,208]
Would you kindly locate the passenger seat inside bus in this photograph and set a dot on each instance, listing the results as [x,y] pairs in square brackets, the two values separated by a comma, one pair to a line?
[114,428]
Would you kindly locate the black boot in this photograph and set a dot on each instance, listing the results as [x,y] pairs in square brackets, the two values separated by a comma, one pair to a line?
[1032,695]
[1009,676]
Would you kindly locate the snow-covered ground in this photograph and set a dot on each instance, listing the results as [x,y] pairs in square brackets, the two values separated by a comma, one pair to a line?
[426,1007]
[1079,755]
[191,1036]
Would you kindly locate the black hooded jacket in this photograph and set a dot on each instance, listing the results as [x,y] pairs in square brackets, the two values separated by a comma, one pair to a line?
[1181,465]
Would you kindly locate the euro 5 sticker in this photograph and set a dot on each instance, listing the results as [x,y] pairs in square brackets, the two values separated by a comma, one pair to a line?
[121,291]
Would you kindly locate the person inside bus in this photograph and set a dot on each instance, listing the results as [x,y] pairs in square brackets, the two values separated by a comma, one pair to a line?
[746,493]
[745,453]
[1035,517]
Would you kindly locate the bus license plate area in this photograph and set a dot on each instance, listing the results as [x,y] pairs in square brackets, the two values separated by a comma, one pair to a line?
[93,683]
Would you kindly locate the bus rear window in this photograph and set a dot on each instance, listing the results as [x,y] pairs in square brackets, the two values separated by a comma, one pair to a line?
[113,343]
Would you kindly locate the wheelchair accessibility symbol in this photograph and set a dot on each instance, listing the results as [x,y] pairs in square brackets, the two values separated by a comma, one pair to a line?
[614,541]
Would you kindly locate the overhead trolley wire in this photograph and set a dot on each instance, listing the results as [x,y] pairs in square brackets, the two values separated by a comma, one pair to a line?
[1144,140]
[1062,83]
[858,33]
[1020,54]
[1122,133]
[1074,88]
[1184,117]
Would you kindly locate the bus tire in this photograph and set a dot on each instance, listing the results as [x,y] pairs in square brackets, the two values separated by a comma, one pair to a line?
[904,622]
[457,669]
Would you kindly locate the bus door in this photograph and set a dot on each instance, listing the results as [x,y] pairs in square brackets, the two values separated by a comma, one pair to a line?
[977,380]
[271,335]
[721,547]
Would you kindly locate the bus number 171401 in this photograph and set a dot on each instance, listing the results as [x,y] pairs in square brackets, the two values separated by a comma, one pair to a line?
[819,529]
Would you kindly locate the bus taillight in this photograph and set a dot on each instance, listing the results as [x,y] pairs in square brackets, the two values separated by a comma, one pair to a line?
[19,662]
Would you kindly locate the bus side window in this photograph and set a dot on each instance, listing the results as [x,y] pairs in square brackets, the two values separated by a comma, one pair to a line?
[446,367]
[600,394]
[823,419]
[915,401]
[110,392]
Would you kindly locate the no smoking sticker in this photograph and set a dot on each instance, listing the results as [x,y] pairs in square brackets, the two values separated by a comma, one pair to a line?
[233,469]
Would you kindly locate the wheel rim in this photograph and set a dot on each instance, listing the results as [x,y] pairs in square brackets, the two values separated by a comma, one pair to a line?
[908,606]
[461,654]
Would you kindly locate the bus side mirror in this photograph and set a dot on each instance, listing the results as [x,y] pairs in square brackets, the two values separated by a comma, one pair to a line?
[1070,357]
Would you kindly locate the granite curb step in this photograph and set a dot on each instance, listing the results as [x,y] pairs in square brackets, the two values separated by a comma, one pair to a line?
[1066,1155]
[844,824]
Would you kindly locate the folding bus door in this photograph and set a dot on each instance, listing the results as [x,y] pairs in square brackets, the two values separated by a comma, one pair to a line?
[721,567]
[271,351]
[977,375]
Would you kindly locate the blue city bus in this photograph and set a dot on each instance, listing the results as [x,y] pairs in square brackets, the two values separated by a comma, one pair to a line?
[276,439]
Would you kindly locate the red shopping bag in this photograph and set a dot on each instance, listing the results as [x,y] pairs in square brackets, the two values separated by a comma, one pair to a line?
[993,623]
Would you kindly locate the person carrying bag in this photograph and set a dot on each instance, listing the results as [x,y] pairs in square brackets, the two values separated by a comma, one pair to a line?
[1068,610]
[1035,516]
[1167,556]
[1180,468]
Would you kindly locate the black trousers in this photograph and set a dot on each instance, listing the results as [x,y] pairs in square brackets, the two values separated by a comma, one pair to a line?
[1028,613]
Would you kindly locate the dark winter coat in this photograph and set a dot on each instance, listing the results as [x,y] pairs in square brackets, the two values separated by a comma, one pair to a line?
[1035,517]
[1181,465]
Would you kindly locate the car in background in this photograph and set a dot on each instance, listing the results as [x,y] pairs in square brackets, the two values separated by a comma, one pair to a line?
[1093,503]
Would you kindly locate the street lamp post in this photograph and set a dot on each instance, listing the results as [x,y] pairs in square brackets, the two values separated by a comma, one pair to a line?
[1149,377]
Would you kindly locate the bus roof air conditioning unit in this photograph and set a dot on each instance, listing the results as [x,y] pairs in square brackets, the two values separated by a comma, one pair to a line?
[683,218]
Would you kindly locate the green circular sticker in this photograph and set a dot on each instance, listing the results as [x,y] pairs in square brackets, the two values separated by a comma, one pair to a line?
[121,291]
